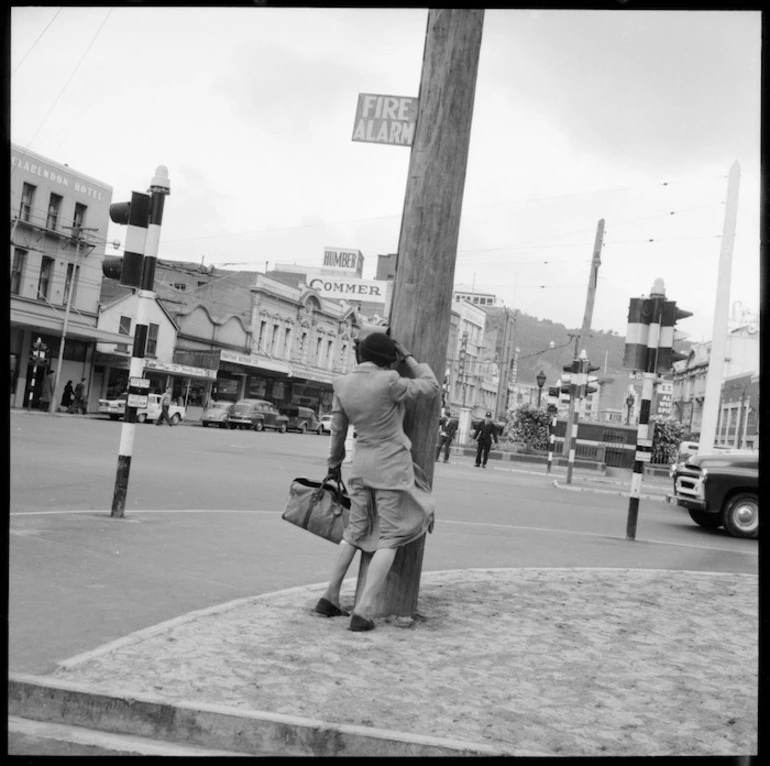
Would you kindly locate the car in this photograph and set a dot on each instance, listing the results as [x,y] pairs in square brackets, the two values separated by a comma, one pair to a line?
[216,414]
[301,419]
[324,424]
[720,489]
[258,414]
[115,409]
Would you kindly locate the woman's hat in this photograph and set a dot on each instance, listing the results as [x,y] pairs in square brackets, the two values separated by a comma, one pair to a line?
[378,348]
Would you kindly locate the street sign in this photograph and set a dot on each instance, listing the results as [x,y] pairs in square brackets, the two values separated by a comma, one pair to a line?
[137,400]
[643,457]
[139,382]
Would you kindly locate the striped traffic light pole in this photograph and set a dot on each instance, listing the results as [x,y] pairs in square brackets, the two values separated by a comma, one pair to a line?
[576,391]
[650,316]
[142,241]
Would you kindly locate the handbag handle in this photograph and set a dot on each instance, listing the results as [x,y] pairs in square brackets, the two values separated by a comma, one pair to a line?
[340,489]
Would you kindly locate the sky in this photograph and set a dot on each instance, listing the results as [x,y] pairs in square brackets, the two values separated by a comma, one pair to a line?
[631,117]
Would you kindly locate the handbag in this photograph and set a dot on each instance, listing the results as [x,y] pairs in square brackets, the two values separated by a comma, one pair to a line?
[319,507]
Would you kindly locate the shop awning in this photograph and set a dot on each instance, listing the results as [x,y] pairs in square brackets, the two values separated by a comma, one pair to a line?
[54,325]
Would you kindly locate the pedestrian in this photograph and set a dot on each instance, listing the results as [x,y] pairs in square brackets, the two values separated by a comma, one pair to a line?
[67,396]
[79,403]
[390,498]
[165,403]
[447,427]
[484,433]
[47,396]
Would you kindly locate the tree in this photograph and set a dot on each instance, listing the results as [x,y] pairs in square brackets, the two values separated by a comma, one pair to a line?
[529,425]
[667,435]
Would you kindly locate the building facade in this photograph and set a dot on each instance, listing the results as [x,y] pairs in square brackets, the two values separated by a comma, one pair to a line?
[59,221]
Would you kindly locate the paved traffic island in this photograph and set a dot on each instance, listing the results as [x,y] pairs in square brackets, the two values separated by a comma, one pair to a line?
[567,662]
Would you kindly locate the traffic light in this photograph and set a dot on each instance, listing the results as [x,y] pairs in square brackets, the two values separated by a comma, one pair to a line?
[588,368]
[640,312]
[136,216]
[669,335]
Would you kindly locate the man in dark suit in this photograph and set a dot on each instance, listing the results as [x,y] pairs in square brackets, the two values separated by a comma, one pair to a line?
[483,435]
[446,434]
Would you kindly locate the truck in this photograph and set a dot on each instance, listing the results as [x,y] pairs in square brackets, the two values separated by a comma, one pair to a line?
[720,490]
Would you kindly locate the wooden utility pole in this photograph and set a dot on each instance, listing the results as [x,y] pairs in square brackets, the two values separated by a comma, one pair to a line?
[716,368]
[593,278]
[422,290]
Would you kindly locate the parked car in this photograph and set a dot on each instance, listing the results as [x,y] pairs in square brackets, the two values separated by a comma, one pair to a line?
[116,409]
[113,408]
[258,414]
[216,414]
[324,424]
[301,419]
[720,490]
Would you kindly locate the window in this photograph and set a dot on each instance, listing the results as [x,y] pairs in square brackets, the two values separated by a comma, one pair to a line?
[17,270]
[151,348]
[179,286]
[318,349]
[274,340]
[261,338]
[72,274]
[329,354]
[124,329]
[46,271]
[286,342]
[53,211]
[80,215]
[27,200]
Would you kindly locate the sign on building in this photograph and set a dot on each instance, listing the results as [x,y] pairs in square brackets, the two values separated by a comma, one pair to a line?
[385,119]
[344,258]
[350,289]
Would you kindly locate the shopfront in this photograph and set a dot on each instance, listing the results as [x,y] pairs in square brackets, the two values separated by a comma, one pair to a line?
[251,376]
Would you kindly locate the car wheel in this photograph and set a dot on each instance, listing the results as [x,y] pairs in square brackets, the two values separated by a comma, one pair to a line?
[282,428]
[223,425]
[703,519]
[741,515]
[175,419]
[259,426]
[141,418]
[205,425]
[303,428]
[231,426]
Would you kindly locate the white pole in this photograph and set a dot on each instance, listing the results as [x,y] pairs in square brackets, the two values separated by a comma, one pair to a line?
[721,311]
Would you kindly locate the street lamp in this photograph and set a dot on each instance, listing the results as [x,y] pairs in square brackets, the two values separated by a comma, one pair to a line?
[540,383]
[629,404]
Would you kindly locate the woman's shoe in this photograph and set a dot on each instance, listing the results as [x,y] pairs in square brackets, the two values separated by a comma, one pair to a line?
[326,608]
[358,623]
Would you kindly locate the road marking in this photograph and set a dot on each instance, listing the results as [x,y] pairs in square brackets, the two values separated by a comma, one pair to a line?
[440,521]
[594,534]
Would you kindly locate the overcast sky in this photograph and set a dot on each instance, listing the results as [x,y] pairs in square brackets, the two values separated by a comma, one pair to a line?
[633,117]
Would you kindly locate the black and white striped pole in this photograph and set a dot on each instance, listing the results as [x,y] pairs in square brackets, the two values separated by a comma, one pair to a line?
[576,392]
[144,218]
[553,409]
[647,313]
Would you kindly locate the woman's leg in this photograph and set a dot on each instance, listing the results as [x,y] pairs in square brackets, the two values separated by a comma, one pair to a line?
[376,574]
[344,559]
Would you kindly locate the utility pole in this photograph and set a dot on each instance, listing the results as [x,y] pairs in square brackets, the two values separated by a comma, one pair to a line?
[422,290]
[509,331]
[76,231]
[574,402]
[715,371]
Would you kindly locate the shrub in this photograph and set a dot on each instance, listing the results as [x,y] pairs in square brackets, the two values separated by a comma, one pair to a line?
[528,425]
[667,436]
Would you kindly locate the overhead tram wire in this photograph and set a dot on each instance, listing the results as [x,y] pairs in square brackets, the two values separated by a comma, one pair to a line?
[66,84]
[37,40]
